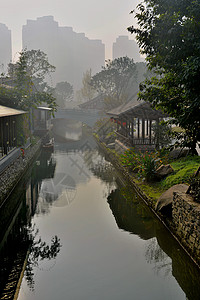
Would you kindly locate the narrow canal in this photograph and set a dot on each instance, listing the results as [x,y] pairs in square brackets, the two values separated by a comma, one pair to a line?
[78,232]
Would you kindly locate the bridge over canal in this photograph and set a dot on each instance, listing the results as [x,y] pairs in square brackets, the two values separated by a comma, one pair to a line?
[88,116]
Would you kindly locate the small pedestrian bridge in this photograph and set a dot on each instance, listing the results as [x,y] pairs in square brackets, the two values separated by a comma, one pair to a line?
[86,116]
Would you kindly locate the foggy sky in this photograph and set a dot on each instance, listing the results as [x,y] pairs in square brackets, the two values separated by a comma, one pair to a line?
[103,19]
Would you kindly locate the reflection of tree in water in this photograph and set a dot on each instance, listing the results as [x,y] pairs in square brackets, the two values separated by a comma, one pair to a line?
[39,251]
[130,214]
[23,247]
[162,250]
[154,254]
[100,168]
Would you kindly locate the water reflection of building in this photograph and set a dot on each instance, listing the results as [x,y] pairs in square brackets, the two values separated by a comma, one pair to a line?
[162,250]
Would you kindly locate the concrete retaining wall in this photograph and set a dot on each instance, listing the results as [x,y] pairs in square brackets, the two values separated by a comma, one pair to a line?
[186,218]
[12,174]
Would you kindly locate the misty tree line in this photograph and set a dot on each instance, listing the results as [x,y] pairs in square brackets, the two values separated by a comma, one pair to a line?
[26,86]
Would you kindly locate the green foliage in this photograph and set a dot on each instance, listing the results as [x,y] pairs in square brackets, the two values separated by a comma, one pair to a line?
[162,133]
[168,33]
[114,78]
[29,88]
[20,131]
[144,164]
[31,69]
[184,170]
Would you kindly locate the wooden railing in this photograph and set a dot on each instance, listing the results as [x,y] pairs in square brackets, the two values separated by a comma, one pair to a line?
[130,141]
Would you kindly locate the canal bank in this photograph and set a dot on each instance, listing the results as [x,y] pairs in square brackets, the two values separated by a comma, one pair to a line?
[12,174]
[184,225]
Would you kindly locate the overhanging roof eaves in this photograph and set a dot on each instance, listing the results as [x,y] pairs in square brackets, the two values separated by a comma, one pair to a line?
[7,111]
[137,109]
[44,108]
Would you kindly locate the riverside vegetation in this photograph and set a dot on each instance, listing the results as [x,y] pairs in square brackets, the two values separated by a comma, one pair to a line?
[142,165]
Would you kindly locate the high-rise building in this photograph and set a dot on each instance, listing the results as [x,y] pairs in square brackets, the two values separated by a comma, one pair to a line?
[5,48]
[125,47]
[71,53]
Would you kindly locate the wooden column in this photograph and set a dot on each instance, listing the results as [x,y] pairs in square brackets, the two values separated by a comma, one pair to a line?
[150,131]
[132,130]
[143,129]
[147,127]
[127,127]
[138,127]
[157,138]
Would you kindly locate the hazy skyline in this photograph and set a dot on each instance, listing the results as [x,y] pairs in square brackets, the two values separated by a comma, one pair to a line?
[104,20]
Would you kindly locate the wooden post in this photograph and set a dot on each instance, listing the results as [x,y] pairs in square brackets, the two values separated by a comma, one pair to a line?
[157,138]
[147,128]
[138,127]
[143,129]
[150,123]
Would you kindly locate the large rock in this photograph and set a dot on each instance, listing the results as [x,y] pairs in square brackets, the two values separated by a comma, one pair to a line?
[163,171]
[167,197]
[178,152]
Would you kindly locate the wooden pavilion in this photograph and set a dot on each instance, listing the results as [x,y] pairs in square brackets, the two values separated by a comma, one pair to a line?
[134,123]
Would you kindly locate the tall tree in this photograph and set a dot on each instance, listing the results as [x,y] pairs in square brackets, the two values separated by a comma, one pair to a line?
[28,74]
[64,92]
[168,33]
[87,92]
[114,79]
[33,68]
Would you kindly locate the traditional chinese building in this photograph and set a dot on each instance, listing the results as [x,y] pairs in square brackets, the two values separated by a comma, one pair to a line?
[135,121]
[12,134]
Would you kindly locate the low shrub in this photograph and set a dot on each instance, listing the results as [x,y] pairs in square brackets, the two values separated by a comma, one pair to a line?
[144,164]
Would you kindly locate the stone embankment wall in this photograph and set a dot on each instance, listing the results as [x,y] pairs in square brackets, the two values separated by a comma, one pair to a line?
[186,218]
[13,173]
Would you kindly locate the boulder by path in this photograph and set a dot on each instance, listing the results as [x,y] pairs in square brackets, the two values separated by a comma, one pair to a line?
[164,170]
[166,198]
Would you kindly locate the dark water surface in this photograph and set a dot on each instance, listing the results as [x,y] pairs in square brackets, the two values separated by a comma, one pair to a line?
[88,236]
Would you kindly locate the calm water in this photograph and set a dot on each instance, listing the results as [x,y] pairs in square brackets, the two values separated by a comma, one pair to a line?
[88,236]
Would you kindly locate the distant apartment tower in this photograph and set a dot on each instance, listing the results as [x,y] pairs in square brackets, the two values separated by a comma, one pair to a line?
[71,53]
[125,47]
[5,47]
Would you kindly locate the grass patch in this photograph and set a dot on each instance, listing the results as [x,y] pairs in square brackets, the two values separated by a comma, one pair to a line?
[153,190]
[184,169]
